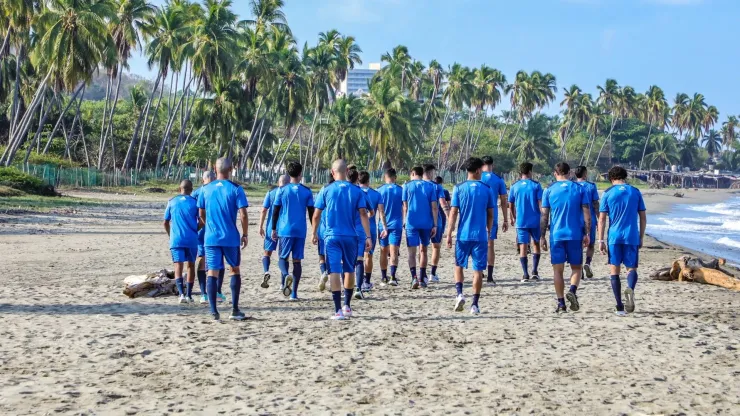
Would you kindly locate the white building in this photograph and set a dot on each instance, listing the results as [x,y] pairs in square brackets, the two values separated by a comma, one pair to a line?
[357,80]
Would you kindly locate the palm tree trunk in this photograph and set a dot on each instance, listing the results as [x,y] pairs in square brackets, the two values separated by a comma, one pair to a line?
[103,123]
[650,130]
[61,116]
[74,122]
[441,130]
[148,131]
[109,128]
[608,139]
[166,138]
[260,139]
[443,162]
[285,153]
[129,152]
[516,134]
[15,108]
[431,102]
[245,154]
[42,122]
[15,141]
[477,139]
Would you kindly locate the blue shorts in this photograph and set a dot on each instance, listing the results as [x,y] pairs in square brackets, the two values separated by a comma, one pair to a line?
[360,247]
[183,254]
[626,254]
[494,232]
[292,247]
[416,237]
[373,240]
[570,251]
[478,250]
[393,238]
[322,247]
[592,236]
[270,244]
[215,257]
[201,250]
[341,254]
[437,239]
[523,235]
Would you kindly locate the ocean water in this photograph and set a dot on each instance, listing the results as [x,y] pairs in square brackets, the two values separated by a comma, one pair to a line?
[713,229]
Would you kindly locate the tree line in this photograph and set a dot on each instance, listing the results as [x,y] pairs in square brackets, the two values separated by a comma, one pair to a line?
[247,89]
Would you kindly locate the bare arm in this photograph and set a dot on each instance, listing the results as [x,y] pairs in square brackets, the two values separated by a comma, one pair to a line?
[544,221]
[263,217]
[489,219]
[504,202]
[512,213]
[601,231]
[435,213]
[444,205]
[310,211]
[245,226]
[453,223]
[405,209]
[381,214]
[587,218]
[315,225]
[167,227]
[202,213]
[643,224]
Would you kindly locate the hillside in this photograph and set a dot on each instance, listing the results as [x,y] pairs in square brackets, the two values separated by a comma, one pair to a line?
[96,90]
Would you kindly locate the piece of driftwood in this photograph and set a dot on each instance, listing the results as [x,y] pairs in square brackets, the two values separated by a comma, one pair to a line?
[696,270]
[161,283]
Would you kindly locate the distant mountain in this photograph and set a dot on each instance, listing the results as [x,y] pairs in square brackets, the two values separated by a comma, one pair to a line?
[96,90]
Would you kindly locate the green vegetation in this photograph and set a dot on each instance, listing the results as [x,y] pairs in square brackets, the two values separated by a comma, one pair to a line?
[44,204]
[13,178]
[247,89]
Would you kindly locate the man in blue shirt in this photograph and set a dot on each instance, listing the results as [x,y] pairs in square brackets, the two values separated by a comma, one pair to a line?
[321,246]
[525,201]
[442,212]
[293,204]
[623,205]
[373,197]
[593,195]
[498,188]
[343,203]
[390,228]
[181,223]
[420,212]
[270,244]
[566,209]
[470,199]
[219,204]
[207,178]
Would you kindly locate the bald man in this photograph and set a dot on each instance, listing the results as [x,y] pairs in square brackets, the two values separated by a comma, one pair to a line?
[219,205]
[207,177]
[343,203]
[181,224]
[270,244]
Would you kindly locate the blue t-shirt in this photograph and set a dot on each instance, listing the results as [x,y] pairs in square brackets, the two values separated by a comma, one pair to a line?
[439,193]
[419,195]
[222,200]
[341,201]
[358,222]
[322,221]
[448,198]
[498,188]
[268,203]
[623,203]
[525,195]
[565,200]
[373,197]
[202,232]
[589,188]
[294,200]
[182,213]
[391,196]
[473,199]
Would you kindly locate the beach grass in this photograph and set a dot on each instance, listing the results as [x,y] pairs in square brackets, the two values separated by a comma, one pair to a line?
[46,203]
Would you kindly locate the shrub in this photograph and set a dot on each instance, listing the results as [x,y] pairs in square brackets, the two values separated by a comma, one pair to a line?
[16,179]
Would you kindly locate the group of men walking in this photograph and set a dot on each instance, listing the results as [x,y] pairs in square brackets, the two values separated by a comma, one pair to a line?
[348,218]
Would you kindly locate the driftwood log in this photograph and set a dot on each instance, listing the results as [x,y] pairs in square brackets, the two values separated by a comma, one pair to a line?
[161,283]
[697,270]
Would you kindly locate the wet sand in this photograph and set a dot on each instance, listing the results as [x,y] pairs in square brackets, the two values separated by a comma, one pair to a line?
[73,344]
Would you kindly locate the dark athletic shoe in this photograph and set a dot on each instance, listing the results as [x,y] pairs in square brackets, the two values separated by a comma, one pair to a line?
[629,300]
[216,316]
[525,279]
[535,277]
[561,309]
[414,283]
[288,289]
[572,301]
[589,272]
[237,315]
[265,280]
[394,282]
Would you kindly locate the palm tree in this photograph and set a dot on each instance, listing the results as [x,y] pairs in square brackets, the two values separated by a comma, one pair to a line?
[712,142]
[347,56]
[664,151]
[680,107]
[457,95]
[268,14]
[729,132]
[688,151]
[536,143]
[654,111]
[398,66]
[344,130]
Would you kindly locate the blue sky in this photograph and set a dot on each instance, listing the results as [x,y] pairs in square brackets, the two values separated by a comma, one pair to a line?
[680,45]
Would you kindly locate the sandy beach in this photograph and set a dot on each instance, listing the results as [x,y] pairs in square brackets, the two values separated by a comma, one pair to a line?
[73,344]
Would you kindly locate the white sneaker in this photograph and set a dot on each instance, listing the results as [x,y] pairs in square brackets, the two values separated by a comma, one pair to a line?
[347,311]
[621,314]
[393,282]
[339,316]
[322,281]
[435,279]
[366,287]
[191,300]
[474,310]
[288,289]
[459,303]
[358,294]
[182,299]
[629,300]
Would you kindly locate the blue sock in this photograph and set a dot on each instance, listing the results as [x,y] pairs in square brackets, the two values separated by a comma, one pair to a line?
[367,277]
[202,281]
[476,296]
[458,287]
[490,272]
[573,289]
[212,285]
[523,261]
[617,289]
[359,273]
[283,266]
[434,270]
[221,280]
[322,268]
[348,296]
[632,279]
[535,263]
[561,301]
[236,288]
[266,263]
[337,297]
[178,283]
[393,271]
[297,272]
[413,272]
[423,272]
[189,292]
[384,274]
[588,260]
